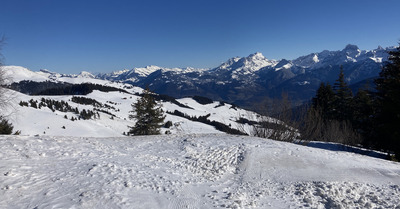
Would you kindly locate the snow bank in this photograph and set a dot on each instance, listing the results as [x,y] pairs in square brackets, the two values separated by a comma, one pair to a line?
[188,171]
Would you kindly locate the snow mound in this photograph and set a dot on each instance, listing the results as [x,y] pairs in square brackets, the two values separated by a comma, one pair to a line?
[343,195]
[188,171]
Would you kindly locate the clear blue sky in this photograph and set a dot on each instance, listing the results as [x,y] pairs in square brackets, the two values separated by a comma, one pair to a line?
[69,36]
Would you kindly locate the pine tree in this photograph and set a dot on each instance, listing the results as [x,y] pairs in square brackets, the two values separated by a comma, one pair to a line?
[148,114]
[388,101]
[363,112]
[330,117]
[323,100]
[343,101]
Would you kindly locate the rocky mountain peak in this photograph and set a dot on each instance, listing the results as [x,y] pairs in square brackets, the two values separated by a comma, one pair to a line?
[257,56]
[85,74]
[352,51]
[351,47]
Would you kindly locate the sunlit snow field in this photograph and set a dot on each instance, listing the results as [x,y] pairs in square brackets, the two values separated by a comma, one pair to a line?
[188,171]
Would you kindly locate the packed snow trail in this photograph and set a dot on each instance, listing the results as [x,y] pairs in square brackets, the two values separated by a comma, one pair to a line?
[188,171]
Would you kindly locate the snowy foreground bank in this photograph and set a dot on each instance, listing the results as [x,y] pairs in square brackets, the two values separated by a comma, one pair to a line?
[189,171]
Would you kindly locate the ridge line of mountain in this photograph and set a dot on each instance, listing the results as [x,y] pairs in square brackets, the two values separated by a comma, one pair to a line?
[248,81]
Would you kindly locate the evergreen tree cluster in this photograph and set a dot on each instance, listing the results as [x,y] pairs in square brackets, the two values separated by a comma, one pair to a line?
[95,103]
[86,101]
[110,107]
[53,105]
[166,98]
[53,88]
[78,89]
[202,100]
[88,114]
[337,115]
[371,116]
[387,118]
[335,103]
[104,111]
[204,119]
[245,120]
[61,106]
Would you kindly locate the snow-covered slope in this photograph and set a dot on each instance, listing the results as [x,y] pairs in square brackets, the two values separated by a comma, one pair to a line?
[188,171]
[113,117]
[18,73]
[112,113]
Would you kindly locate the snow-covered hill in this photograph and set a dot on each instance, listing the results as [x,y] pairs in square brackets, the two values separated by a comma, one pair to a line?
[188,171]
[18,74]
[39,114]
[113,115]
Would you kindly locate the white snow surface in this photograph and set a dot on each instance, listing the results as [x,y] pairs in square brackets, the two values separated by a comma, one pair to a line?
[44,121]
[188,171]
[88,164]
[287,66]
[315,58]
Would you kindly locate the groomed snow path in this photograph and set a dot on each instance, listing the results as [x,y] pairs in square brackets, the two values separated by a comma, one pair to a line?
[189,171]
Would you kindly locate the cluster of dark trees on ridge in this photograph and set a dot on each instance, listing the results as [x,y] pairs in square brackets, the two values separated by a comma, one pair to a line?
[369,119]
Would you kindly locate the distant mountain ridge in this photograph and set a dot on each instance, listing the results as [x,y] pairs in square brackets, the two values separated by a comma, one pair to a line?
[137,74]
[252,80]
[249,80]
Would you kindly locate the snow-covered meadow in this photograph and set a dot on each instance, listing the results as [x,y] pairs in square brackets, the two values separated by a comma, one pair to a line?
[188,171]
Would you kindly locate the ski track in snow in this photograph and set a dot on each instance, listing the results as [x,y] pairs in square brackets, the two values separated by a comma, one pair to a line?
[188,171]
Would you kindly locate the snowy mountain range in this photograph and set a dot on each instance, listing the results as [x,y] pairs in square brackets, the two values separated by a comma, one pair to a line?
[245,81]
[248,80]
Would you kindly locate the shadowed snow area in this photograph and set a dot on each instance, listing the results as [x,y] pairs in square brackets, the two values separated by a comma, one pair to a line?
[188,171]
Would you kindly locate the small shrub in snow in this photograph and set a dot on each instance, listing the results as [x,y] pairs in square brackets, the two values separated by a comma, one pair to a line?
[5,126]
[168,124]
